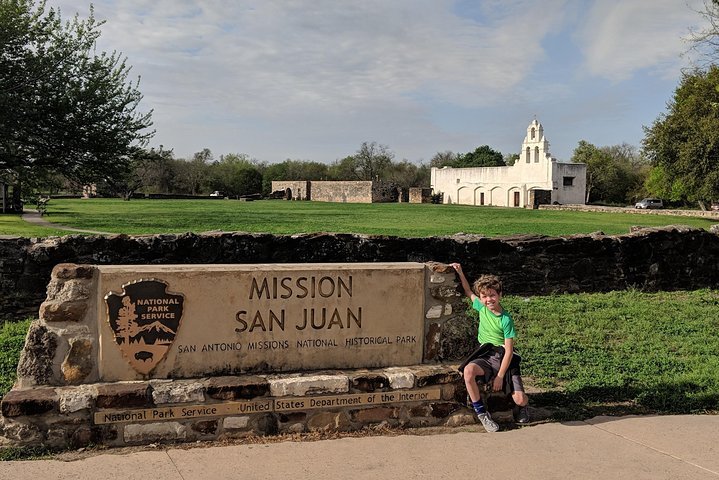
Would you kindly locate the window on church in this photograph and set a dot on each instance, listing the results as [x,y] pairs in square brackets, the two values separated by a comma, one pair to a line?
[527,154]
[532,133]
[568,181]
[536,154]
[458,180]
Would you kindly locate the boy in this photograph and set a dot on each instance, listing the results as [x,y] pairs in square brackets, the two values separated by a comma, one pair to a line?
[496,328]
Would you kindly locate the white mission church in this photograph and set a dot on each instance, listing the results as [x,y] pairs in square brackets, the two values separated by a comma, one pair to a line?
[535,178]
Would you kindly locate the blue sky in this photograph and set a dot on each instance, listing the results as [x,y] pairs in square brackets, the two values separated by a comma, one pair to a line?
[313,79]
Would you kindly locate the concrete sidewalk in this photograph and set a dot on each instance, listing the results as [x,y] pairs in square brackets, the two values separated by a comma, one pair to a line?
[34,217]
[659,447]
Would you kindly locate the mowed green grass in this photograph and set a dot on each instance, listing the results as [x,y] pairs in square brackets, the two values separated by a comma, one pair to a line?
[282,217]
[15,225]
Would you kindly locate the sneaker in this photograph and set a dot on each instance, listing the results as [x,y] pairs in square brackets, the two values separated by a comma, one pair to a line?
[487,422]
[521,414]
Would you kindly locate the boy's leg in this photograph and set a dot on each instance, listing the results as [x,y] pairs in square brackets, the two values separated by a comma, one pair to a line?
[471,372]
[521,414]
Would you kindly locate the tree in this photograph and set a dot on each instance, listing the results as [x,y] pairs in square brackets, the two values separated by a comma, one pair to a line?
[443,159]
[136,171]
[372,161]
[483,156]
[614,173]
[705,41]
[63,107]
[684,141]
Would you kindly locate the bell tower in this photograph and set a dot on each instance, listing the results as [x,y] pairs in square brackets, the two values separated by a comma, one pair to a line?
[535,147]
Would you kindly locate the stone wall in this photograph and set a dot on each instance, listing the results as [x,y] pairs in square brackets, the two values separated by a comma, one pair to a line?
[420,195]
[344,192]
[668,258]
[132,413]
[299,190]
[383,192]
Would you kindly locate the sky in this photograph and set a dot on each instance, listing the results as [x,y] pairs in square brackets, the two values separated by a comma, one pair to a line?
[313,79]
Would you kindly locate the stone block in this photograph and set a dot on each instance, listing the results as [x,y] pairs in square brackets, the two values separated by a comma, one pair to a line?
[459,419]
[445,292]
[434,311]
[444,409]
[420,411]
[369,382]
[236,423]
[374,415]
[82,437]
[449,391]
[77,398]
[36,359]
[79,361]
[313,384]
[32,401]
[59,311]
[267,425]
[68,271]
[55,437]
[235,388]
[440,267]
[205,427]
[69,290]
[21,432]
[436,279]
[124,395]
[432,341]
[154,432]
[427,376]
[400,377]
[177,392]
[329,421]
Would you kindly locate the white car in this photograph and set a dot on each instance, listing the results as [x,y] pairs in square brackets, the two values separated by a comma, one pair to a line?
[649,203]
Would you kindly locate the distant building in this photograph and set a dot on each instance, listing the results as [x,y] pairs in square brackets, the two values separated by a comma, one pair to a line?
[338,191]
[535,178]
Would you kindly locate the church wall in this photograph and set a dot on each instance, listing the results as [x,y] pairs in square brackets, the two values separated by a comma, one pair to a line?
[573,194]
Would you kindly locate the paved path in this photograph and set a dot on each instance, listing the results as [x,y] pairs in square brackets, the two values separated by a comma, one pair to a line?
[648,447]
[33,216]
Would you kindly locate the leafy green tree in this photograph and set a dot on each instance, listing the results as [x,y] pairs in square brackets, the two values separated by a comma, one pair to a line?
[344,169]
[511,159]
[406,174]
[684,141]
[137,170]
[613,173]
[483,156]
[443,159]
[64,108]
[224,175]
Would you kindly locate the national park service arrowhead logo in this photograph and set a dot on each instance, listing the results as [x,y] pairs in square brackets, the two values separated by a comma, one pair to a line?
[144,319]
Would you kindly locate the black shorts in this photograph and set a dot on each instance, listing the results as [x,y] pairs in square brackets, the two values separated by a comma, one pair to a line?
[490,366]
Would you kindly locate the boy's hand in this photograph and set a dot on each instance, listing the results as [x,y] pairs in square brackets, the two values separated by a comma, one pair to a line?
[456,266]
[497,384]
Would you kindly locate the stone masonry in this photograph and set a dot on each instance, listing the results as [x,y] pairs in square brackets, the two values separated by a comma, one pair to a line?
[669,258]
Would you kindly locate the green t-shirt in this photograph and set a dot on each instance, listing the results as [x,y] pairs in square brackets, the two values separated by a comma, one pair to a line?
[493,328]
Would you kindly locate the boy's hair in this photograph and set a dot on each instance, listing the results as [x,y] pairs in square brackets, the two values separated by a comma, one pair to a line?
[486,282]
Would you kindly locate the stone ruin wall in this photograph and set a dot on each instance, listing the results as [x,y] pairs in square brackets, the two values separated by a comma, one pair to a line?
[343,192]
[670,258]
[301,189]
[420,195]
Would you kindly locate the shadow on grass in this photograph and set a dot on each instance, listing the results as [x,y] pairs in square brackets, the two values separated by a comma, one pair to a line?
[588,402]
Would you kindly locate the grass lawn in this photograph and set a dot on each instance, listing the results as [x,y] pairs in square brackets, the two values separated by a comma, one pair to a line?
[14,225]
[281,217]
[618,352]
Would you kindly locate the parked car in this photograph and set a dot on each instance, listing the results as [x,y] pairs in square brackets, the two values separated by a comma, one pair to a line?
[648,203]
[216,194]
[715,207]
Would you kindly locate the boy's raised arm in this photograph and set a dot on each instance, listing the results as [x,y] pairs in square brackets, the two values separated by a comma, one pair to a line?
[465,284]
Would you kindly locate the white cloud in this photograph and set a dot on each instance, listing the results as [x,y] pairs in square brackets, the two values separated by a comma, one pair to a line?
[620,37]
